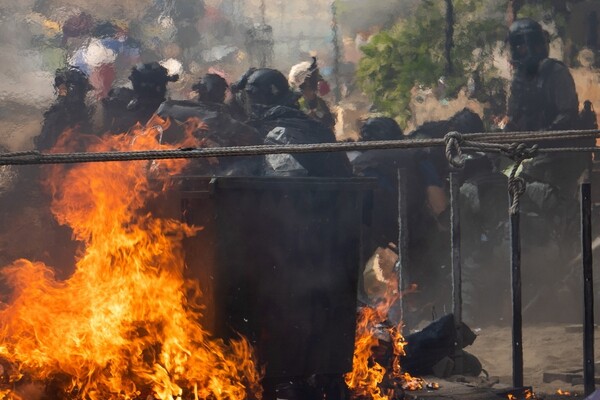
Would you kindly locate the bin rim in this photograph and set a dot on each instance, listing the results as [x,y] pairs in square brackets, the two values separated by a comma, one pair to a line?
[282,183]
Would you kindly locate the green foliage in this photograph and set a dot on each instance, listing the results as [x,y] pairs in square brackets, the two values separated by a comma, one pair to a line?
[412,52]
[541,12]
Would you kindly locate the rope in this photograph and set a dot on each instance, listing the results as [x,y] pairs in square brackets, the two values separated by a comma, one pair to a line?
[64,158]
[518,152]
[454,153]
[454,142]
[516,188]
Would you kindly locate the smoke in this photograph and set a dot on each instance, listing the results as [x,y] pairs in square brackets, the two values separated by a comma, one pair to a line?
[25,84]
[361,16]
[203,35]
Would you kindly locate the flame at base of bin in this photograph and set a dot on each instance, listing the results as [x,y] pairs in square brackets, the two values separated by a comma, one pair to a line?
[369,379]
[125,325]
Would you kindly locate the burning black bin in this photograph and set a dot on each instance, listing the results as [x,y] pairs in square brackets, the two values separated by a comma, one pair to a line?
[278,261]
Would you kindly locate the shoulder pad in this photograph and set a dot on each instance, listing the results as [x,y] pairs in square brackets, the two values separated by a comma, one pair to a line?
[119,96]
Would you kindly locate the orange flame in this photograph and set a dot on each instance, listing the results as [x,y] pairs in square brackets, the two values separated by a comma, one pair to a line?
[561,392]
[527,394]
[367,375]
[126,323]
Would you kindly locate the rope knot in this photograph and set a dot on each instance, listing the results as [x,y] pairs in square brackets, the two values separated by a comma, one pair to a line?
[519,151]
[454,153]
[516,188]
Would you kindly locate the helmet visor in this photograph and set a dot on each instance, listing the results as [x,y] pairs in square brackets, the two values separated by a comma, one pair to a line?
[519,48]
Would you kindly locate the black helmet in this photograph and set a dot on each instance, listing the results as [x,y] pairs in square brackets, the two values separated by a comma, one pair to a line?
[150,79]
[267,86]
[380,128]
[466,121]
[211,87]
[75,80]
[71,76]
[528,44]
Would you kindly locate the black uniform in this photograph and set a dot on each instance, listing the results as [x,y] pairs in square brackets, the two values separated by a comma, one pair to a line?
[288,125]
[69,111]
[543,97]
[276,116]
[125,107]
[426,244]
[464,121]
[218,129]
[484,241]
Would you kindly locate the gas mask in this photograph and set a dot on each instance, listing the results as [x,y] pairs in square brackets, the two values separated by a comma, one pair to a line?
[528,45]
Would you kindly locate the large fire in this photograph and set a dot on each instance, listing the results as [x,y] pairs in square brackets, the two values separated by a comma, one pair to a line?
[125,324]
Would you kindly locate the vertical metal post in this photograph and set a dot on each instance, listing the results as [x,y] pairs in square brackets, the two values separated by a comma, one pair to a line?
[588,289]
[517,323]
[456,265]
[403,261]
[336,52]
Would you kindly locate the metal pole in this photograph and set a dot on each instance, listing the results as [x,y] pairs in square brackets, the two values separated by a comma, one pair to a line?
[336,52]
[517,323]
[456,266]
[588,289]
[403,261]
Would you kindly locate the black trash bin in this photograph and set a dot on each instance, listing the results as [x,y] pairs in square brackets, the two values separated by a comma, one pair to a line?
[278,261]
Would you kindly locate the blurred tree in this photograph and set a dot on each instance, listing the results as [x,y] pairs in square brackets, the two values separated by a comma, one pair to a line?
[413,52]
[449,36]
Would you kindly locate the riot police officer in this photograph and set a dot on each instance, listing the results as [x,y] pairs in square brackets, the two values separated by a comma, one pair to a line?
[125,107]
[274,112]
[544,98]
[217,128]
[69,109]
[211,88]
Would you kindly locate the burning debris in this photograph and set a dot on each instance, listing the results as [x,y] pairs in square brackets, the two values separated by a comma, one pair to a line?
[125,324]
[521,394]
[377,373]
[370,379]
[561,392]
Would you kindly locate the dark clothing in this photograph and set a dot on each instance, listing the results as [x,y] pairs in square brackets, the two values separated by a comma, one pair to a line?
[427,244]
[318,110]
[544,101]
[587,117]
[287,125]
[218,129]
[384,165]
[464,121]
[436,341]
[123,109]
[548,100]
[63,115]
[434,130]
[484,243]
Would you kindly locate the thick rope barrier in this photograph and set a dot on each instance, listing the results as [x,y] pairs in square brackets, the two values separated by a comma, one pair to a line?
[454,142]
